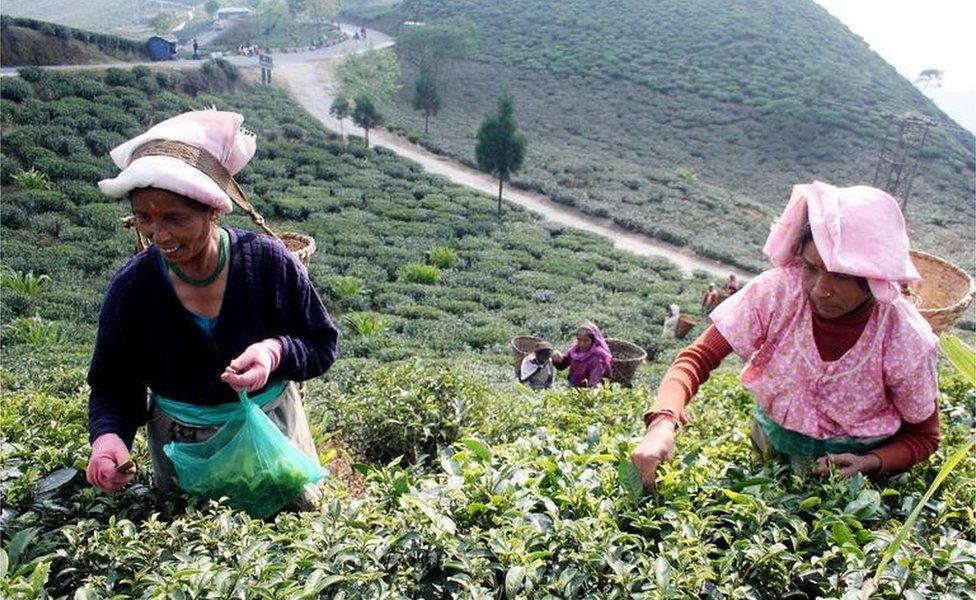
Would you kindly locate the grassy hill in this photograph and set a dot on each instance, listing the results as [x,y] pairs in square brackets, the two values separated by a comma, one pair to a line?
[500,492]
[27,42]
[617,96]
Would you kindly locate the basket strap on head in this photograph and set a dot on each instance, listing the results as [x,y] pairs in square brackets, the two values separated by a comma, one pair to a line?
[206,163]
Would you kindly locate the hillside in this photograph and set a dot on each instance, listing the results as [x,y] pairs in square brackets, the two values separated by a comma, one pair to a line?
[500,492]
[617,96]
[26,42]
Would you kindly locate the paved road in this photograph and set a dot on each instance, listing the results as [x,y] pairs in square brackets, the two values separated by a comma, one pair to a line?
[308,75]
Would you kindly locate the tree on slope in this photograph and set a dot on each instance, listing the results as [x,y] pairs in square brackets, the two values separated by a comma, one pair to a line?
[500,149]
[340,109]
[366,115]
[426,98]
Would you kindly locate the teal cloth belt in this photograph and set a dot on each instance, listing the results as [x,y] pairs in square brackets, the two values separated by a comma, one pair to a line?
[217,415]
[793,443]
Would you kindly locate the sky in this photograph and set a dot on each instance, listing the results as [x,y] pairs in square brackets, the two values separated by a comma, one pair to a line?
[914,35]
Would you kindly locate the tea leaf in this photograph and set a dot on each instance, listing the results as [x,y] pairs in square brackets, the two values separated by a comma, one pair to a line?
[906,527]
[962,357]
[55,480]
[514,579]
[477,447]
[630,480]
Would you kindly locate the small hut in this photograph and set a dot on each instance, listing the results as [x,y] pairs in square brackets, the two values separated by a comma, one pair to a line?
[161,47]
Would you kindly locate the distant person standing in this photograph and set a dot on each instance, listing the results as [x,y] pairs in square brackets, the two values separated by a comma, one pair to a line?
[732,285]
[710,299]
[196,50]
[671,322]
[362,32]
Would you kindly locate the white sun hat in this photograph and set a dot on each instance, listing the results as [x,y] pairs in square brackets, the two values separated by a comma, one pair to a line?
[195,154]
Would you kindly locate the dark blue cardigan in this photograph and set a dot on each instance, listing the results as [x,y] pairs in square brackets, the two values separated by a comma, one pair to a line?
[147,339]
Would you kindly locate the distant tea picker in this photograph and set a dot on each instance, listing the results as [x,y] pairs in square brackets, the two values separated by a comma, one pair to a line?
[203,313]
[842,366]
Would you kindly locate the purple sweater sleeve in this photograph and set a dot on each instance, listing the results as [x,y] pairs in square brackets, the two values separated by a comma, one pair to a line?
[310,347]
[118,401]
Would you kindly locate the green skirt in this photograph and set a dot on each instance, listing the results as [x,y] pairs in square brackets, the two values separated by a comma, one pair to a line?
[792,443]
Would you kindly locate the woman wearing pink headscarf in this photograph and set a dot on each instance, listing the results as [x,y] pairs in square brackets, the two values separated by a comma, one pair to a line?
[842,367]
[588,358]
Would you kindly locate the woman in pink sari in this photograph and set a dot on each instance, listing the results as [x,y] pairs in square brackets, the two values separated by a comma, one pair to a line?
[588,359]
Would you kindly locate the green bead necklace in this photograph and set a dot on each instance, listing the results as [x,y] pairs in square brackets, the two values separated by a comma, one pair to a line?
[223,250]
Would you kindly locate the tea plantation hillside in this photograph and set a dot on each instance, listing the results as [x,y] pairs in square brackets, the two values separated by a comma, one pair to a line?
[465,485]
[668,116]
[27,42]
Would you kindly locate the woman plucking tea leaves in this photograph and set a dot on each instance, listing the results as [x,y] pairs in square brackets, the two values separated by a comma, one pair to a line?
[201,314]
[843,368]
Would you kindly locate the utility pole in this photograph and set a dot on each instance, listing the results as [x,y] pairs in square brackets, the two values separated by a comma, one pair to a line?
[899,155]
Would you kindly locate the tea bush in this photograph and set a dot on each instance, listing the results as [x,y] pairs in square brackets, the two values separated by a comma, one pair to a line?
[418,273]
[442,258]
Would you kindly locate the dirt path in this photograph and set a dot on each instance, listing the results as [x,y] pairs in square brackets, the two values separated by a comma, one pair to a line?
[312,84]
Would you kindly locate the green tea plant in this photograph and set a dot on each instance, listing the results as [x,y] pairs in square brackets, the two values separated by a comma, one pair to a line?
[33,331]
[24,283]
[442,257]
[31,179]
[363,324]
[419,273]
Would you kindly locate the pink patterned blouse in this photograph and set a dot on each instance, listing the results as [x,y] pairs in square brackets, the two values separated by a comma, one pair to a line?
[887,377]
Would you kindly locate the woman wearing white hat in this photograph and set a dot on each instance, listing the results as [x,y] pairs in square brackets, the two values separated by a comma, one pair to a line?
[204,312]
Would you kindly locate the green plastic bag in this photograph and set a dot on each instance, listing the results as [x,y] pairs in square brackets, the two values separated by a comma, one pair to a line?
[248,460]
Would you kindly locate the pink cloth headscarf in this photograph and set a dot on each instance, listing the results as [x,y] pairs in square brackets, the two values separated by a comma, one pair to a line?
[599,350]
[858,231]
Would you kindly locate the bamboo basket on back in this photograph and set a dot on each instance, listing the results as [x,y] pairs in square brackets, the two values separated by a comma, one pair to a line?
[943,294]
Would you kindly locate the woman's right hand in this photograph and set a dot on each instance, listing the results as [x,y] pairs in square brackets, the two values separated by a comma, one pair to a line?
[656,447]
[108,452]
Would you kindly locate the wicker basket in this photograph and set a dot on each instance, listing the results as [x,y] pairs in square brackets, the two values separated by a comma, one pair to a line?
[626,358]
[944,292]
[685,324]
[522,346]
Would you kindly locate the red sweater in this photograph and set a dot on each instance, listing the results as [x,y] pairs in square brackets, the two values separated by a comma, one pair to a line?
[911,444]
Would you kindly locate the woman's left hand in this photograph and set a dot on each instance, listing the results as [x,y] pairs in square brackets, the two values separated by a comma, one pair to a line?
[250,370]
[849,464]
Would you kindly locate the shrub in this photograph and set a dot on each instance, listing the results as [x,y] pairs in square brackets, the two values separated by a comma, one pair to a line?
[34,331]
[81,193]
[50,223]
[16,89]
[387,418]
[442,257]
[13,216]
[341,288]
[685,174]
[418,273]
[31,179]
[363,324]
[32,74]
[115,76]
[292,132]
[27,283]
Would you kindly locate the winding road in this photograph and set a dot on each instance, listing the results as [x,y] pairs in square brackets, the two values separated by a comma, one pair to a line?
[308,75]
